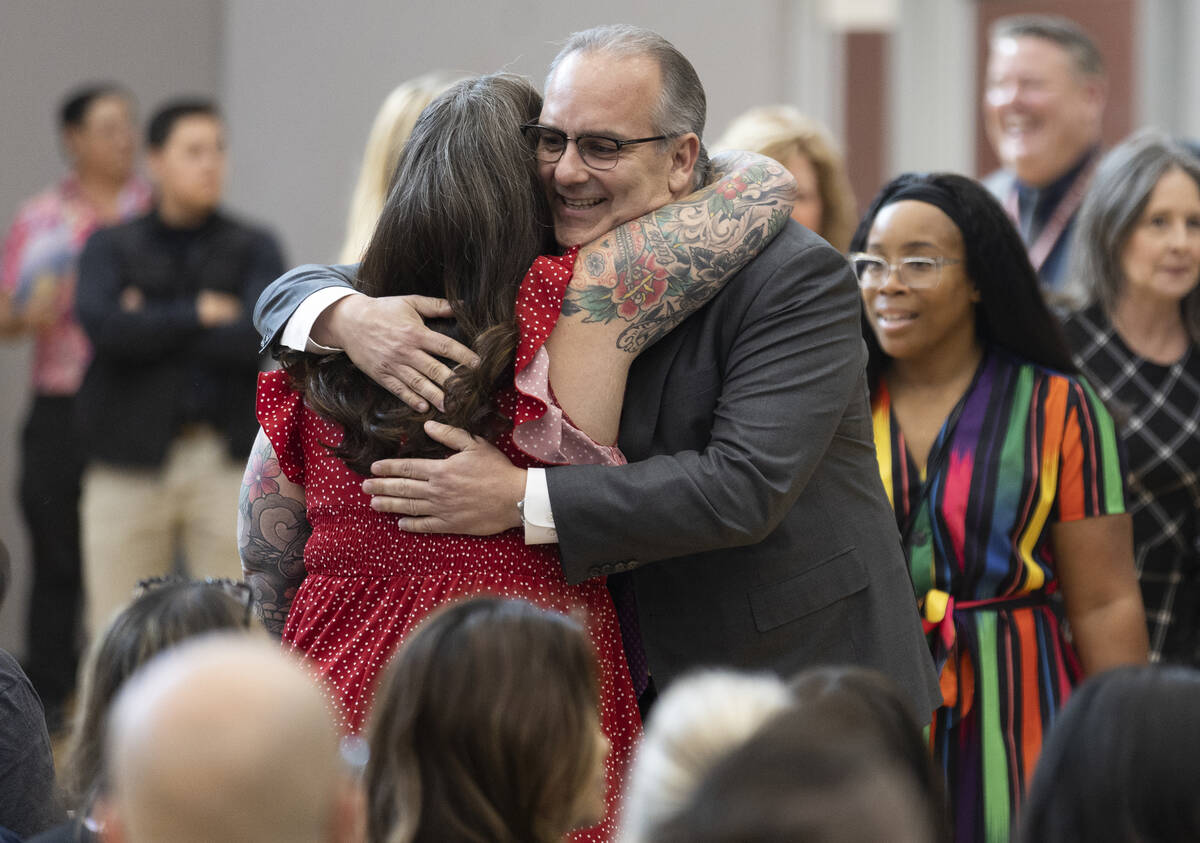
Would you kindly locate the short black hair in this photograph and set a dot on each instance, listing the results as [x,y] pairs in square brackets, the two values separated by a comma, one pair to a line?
[75,105]
[159,129]
[1012,313]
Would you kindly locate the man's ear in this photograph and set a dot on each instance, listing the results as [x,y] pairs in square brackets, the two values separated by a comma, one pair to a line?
[685,150]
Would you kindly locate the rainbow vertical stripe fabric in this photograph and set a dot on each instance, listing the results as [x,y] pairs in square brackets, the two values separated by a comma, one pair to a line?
[1025,447]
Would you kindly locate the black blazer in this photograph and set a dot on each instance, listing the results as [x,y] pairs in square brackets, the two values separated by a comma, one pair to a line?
[130,405]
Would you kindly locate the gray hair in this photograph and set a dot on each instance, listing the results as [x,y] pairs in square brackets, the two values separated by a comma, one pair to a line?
[682,106]
[695,723]
[1062,31]
[1118,194]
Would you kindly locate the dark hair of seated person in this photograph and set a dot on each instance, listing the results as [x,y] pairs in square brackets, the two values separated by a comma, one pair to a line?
[484,728]
[799,777]
[1011,313]
[465,218]
[1122,764]
[857,700]
[163,612]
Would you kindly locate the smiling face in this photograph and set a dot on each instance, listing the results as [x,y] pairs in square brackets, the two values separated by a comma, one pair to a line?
[1161,258]
[1041,113]
[912,325]
[599,93]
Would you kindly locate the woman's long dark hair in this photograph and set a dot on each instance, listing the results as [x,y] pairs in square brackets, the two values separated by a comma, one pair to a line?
[465,218]
[483,728]
[1011,313]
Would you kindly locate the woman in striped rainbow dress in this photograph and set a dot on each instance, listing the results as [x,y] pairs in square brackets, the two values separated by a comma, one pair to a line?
[1004,472]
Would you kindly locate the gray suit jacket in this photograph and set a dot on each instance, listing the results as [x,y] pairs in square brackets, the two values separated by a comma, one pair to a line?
[751,514]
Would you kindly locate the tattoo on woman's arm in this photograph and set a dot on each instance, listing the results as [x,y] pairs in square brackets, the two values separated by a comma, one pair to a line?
[654,271]
[272,531]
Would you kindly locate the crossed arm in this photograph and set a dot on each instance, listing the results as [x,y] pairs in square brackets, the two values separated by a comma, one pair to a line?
[214,326]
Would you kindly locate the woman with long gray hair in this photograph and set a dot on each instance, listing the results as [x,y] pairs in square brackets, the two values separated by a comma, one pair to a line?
[1136,276]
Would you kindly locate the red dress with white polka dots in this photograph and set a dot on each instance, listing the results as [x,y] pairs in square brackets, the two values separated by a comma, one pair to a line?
[368,584]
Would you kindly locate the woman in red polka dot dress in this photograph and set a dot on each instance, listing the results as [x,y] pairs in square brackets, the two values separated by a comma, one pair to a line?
[466,220]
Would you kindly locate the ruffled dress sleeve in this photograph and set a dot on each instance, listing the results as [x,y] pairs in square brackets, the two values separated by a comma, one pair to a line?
[280,410]
[540,427]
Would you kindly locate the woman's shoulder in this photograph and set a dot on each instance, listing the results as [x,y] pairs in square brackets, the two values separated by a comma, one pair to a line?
[1084,324]
[1049,376]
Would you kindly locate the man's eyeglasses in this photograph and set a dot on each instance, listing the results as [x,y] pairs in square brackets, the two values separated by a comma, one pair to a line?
[916,273]
[236,589]
[597,151]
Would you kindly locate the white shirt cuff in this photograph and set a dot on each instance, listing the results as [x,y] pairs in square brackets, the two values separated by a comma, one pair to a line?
[539,520]
[296,332]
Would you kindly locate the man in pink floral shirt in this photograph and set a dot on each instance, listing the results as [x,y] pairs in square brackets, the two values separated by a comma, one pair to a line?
[37,291]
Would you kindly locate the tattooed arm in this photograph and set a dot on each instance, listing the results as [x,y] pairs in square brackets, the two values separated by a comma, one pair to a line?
[640,280]
[272,531]
[636,283]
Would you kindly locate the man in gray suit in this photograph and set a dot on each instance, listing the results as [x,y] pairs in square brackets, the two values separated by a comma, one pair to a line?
[751,518]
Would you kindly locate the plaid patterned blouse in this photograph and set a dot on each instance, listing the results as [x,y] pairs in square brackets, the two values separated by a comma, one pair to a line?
[1157,409]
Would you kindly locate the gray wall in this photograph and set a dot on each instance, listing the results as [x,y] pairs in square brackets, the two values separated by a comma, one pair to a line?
[47,47]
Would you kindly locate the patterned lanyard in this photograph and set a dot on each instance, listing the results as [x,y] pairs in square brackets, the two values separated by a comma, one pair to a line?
[1041,248]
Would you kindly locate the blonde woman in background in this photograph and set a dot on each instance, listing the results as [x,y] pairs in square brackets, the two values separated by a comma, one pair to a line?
[825,203]
[393,124]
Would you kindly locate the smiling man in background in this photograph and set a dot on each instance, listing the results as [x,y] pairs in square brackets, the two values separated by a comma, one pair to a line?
[1044,100]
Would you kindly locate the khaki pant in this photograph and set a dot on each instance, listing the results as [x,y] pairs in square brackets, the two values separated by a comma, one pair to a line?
[135,521]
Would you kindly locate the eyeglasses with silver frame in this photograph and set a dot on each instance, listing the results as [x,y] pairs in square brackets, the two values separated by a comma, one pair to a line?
[916,272]
[597,151]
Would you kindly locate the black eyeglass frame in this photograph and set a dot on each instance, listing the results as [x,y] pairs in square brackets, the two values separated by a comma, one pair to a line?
[583,156]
